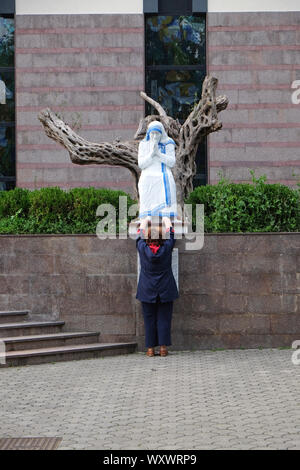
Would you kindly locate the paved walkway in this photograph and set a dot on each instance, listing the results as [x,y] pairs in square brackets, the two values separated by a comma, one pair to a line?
[237,399]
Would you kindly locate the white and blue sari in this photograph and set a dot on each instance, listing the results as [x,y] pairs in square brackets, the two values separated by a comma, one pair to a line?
[157,189]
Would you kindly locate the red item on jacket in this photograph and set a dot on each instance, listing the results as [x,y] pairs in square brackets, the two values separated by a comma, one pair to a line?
[154,248]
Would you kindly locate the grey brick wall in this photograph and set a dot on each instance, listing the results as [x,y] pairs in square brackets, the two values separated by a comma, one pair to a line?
[88,68]
[240,290]
[255,55]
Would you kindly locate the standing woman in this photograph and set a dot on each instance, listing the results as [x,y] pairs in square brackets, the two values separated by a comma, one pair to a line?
[157,287]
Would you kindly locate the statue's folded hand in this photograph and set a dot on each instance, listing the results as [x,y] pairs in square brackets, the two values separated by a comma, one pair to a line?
[168,158]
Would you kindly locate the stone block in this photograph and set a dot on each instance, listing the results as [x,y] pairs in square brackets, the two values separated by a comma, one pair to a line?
[244,324]
[110,284]
[248,283]
[40,263]
[45,40]
[242,174]
[111,324]
[117,78]
[203,283]
[37,304]
[182,341]
[75,322]
[278,57]
[28,245]
[24,60]
[233,244]
[287,323]
[4,299]
[12,264]
[283,340]
[231,57]
[76,262]
[261,96]
[244,341]
[251,38]
[285,282]
[201,304]
[6,245]
[270,245]
[289,303]
[89,305]
[253,18]
[18,284]
[213,263]
[234,303]
[272,303]
[67,284]
[194,324]
[268,76]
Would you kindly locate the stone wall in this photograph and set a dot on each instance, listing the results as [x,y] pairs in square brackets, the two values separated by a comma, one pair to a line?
[254,56]
[239,290]
[89,69]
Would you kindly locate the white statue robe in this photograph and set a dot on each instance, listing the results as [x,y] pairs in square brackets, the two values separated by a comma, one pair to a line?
[156,185]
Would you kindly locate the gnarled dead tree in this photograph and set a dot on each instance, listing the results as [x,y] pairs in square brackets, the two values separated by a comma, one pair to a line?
[202,121]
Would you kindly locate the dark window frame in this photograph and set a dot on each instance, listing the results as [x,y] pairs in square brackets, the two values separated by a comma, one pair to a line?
[9,12]
[201,178]
[154,6]
[7,7]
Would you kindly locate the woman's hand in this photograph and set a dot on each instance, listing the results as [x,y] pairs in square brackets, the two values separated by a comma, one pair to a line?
[167,222]
[144,222]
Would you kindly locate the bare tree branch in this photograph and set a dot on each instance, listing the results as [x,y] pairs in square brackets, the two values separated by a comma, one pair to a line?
[83,152]
[202,120]
[154,103]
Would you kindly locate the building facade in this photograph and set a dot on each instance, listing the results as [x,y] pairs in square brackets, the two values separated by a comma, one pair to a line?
[88,61]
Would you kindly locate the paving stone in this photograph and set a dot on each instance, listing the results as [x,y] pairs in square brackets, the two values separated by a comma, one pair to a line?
[233,399]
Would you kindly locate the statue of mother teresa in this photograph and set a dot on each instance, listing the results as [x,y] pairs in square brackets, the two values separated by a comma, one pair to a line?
[157,189]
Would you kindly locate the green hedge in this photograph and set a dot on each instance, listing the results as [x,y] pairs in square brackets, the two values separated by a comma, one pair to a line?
[228,207]
[245,207]
[54,210]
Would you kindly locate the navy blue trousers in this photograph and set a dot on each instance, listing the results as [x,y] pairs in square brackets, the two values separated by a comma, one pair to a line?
[157,321]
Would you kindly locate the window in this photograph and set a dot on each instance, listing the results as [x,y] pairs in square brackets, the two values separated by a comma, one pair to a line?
[7,102]
[175,62]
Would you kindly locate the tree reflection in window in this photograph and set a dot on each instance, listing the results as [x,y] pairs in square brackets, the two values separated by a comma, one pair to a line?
[7,103]
[175,51]
[175,61]
[176,90]
[7,29]
[175,40]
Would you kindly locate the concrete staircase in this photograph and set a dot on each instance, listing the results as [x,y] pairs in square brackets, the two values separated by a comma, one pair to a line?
[36,342]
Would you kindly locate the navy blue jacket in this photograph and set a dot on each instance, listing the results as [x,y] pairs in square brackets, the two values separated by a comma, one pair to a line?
[156,275]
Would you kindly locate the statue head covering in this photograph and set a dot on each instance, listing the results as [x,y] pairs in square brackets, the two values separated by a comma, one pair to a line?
[158,126]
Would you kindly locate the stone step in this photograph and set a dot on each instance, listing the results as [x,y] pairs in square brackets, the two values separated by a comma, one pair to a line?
[13,316]
[19,343]
[66,353]
[30,328]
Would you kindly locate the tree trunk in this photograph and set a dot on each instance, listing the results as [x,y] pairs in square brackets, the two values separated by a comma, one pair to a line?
[202,121]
